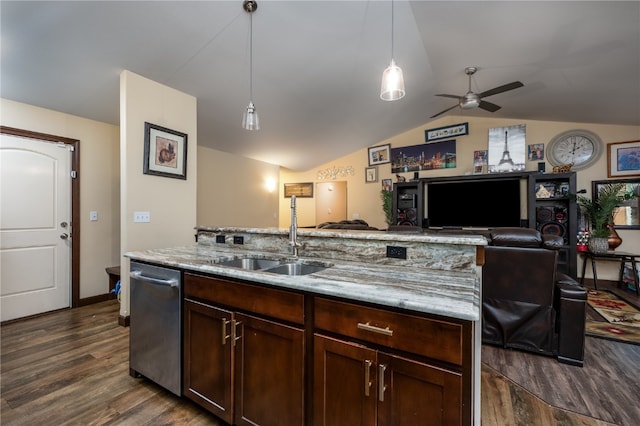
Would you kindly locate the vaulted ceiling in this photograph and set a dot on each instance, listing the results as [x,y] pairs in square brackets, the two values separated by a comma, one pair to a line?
[317,65]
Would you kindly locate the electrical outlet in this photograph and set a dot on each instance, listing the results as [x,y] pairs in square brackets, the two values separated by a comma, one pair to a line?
[238,239]
[220,239]
[397,252]
[142,217]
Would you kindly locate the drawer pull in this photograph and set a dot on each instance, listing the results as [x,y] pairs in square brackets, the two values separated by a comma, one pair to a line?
[234,331]
[372,328]
[367,376]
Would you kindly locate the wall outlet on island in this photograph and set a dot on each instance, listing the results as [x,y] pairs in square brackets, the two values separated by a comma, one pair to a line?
[397,252]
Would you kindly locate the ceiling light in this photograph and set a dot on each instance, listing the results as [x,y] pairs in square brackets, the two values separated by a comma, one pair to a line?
[250,120]
[392,87]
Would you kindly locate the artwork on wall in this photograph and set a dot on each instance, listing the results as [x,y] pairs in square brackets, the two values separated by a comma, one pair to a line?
[446,132]
[480,161]
[535,152]
[379,155]
[507,149]
[623,159]
[300,190]
[165,152]
[387,184]
[431,156]
[370,174]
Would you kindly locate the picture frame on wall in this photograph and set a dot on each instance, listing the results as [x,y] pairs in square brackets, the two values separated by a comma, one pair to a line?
[165,152]
[623,159]
[387,185]
[300,190]
[370,174]
[379,155]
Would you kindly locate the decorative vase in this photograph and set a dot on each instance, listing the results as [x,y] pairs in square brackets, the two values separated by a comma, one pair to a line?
[599,245]
[614,239]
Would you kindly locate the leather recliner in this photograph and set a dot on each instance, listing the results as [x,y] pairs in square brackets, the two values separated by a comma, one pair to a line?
[526,303]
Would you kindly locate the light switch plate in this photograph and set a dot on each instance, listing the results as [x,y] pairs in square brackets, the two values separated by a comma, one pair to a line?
[93,216]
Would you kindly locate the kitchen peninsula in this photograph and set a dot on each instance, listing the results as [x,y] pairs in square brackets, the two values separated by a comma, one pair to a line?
[381,328]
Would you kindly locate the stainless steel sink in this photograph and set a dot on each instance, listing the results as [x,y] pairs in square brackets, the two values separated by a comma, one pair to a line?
[251,263]
[297,268]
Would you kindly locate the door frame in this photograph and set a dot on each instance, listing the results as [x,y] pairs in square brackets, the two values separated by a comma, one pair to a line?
[75,201]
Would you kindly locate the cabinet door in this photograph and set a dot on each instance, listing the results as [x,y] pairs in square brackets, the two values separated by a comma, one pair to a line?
[269,378]
[411,393]
[207,358]
[344,383]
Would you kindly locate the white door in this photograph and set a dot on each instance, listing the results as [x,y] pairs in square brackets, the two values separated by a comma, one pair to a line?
[331,202]
[35,234]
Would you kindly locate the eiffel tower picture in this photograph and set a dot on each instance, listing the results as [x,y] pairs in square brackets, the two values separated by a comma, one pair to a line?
[506,157]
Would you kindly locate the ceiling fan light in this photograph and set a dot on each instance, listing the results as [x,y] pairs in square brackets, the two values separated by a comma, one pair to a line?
[470,101]
[392,87]
[250,119]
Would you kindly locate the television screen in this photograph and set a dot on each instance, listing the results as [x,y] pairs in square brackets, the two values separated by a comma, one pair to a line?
[486,203]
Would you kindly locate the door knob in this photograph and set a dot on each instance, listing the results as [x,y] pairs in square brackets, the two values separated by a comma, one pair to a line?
[63,224]
[64,236]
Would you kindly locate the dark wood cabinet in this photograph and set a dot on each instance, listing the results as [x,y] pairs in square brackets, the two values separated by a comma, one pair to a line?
[408,203]
[365,384]
[553,210]
[246,369]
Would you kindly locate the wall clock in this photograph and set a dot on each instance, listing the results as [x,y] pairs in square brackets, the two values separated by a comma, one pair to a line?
[580,147]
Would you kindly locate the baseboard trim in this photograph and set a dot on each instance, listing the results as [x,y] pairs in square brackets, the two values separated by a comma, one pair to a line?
[96,299]
[123,321]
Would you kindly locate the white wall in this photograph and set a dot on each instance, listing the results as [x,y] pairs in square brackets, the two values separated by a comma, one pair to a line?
[99,184]
[171,202]
[236,191]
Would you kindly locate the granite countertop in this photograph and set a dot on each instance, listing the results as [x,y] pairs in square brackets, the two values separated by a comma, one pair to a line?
[449,293]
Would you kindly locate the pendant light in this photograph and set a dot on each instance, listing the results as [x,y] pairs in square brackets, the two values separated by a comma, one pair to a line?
[250,120]
[392,87]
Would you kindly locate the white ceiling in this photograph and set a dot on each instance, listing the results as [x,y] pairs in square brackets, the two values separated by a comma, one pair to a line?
[318,64]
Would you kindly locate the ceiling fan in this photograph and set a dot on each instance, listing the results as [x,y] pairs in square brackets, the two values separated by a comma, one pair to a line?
[474,100]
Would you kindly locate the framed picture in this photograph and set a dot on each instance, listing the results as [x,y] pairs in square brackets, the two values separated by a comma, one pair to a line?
[623,159]
[507,149]
[535,152]
[446,132]
[370,174]
[300,190]
[165,152]
[380,155]
[426,156]
[387,184]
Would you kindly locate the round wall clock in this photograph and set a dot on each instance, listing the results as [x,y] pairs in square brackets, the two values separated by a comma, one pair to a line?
[580,147]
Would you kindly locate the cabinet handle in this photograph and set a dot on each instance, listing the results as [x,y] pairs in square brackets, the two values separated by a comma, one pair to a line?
[367,376]
[372,328]
[381,385]
[225,336]
[234,331]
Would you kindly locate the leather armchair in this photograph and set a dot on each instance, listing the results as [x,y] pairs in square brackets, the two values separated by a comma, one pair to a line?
[526,303]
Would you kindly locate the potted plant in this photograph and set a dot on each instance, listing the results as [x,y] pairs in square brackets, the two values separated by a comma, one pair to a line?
[387,205]
[599,213]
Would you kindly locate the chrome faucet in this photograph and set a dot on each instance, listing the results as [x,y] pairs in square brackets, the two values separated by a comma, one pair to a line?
[293,229]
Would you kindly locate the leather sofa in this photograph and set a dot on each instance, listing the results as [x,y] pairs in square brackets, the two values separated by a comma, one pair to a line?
[526,303]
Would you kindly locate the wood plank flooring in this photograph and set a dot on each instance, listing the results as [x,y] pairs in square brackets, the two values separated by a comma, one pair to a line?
[71,368]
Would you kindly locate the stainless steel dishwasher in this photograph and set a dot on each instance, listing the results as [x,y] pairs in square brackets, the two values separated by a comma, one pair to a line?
[155,335]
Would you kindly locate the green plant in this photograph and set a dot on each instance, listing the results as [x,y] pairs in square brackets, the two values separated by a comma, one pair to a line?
[599,212]
[387,205]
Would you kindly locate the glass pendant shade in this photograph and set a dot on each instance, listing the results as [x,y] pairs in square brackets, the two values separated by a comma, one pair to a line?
[392,87]
[250,120]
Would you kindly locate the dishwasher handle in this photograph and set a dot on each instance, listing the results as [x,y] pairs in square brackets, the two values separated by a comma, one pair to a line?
[157,281]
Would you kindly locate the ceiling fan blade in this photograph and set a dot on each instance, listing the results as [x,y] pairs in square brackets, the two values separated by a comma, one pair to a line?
[488,106]
[450,96]
[500,89]
[442,112]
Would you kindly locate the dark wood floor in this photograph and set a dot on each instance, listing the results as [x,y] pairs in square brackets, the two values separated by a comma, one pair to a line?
[71,367]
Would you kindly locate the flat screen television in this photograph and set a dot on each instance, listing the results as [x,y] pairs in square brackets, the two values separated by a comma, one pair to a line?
[482,203]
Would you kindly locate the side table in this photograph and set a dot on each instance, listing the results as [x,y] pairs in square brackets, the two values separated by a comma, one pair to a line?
[622,256]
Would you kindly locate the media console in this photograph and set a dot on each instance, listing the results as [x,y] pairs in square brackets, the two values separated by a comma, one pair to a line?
[479,202]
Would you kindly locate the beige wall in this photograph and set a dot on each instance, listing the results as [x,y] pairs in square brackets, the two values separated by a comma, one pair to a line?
[236,191]
[363,198]
[99,185]
[171,202]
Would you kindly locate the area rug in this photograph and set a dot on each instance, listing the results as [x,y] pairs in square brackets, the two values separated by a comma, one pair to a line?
[621,319]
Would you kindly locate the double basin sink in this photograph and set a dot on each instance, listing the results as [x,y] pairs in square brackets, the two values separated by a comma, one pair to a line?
[276,266]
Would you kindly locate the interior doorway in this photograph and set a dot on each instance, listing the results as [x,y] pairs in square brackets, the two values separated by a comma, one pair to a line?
[331,201]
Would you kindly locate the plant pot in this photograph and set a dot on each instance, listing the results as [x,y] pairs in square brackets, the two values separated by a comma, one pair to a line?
[614,239]
[599,245]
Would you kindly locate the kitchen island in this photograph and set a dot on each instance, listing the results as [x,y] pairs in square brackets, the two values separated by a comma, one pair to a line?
[387,321]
